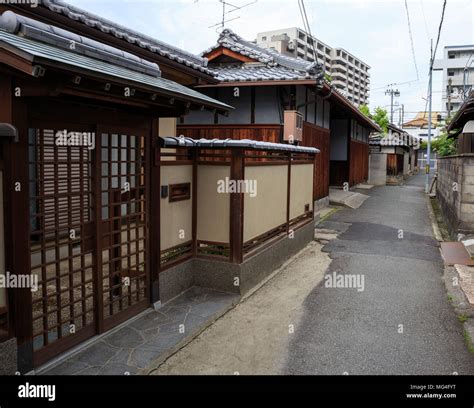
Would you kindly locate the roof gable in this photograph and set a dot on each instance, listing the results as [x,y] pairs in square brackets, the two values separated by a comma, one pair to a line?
[259,63]
[223,55]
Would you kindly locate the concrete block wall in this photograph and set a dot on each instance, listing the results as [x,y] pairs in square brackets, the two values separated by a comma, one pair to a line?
[378,169]
[406,165]
[466,221]
[455,192]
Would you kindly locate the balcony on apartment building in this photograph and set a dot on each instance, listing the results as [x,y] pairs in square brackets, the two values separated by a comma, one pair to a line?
[458,78]
[453,63]
[339,83]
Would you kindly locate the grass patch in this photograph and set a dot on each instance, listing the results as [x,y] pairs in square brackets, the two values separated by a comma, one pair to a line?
[468,340]
[462,318]
[443,228]
[450,298]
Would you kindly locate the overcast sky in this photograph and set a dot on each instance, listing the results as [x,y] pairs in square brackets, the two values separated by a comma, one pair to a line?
[375,31]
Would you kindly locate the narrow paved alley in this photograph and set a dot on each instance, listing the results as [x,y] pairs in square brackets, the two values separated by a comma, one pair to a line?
[397,321]
[401,322]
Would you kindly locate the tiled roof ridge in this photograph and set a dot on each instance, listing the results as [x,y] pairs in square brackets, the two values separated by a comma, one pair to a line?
[270,57]
[49,34]
[133,37]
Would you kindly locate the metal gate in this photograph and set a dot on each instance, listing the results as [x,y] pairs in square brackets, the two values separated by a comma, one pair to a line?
[88,232]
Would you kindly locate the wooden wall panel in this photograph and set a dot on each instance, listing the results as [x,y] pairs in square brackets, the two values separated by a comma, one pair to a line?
[358,162]
[392,165]
[315,136]
[264,133]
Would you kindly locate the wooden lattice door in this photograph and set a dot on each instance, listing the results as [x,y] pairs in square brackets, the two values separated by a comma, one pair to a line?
[124,273]
[88,232]
[61,240]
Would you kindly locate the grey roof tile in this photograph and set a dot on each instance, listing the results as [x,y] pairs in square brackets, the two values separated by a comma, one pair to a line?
[40,52]
[271,64]
[173,53]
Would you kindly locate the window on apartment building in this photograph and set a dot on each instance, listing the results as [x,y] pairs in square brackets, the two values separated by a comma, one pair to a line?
[338,53]
[301,35]
[310,41]
[264,38]
[328,51]
[450,73]
[451,56]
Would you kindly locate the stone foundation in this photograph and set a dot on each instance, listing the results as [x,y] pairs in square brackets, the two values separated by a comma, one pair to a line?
[229,277]
[8,357]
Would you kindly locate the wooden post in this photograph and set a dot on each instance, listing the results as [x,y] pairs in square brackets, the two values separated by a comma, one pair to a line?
[17,221]
[237,208]
[97,211]
[194,190]
[155,208]
[288,195]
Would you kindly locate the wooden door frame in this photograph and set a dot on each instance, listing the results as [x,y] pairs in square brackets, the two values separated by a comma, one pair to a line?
[100,325]
[110,322]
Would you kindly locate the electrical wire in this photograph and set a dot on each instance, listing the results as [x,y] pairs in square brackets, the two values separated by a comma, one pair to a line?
[424,19]
[411,40]
[307,28]
[439,35]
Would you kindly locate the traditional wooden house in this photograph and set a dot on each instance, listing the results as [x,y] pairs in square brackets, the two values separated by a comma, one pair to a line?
[461,126]
[393,156]
[282,99]
[103,213]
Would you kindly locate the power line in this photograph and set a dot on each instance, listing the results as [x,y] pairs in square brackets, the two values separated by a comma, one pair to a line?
[424,19]
[395,84]
[307,28]
[439,35]
[411,40]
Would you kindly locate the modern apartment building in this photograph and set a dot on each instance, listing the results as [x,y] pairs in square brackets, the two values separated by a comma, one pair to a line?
[457,66]
[349,74]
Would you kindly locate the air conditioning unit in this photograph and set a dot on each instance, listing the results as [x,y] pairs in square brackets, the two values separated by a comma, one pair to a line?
[293,126]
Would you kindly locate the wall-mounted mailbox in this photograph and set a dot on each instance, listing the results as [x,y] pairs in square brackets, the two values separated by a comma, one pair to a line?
[164,191]
[179,192]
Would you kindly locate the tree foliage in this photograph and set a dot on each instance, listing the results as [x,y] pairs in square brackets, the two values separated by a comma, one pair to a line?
[380,116]
[443,145]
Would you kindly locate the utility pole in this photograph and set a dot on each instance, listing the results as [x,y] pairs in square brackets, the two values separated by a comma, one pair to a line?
[450,83]
[392,93]
[428,150]
[401,114]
